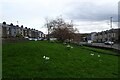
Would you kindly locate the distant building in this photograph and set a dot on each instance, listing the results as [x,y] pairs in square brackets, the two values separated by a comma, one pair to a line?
[93,36]
[84,36]
[5,30]
[11,30]
[29,32]
[89,37]
[40,34]
[108,35]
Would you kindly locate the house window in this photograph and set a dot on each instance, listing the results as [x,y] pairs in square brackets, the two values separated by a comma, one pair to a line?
[7,32]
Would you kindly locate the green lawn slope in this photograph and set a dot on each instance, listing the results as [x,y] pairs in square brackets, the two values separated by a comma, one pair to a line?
[25,60]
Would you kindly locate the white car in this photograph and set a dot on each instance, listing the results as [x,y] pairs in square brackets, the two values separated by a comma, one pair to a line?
[30,38]
[40,38]
[109,43]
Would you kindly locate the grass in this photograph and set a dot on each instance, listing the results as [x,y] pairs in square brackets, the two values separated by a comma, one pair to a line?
[25,60]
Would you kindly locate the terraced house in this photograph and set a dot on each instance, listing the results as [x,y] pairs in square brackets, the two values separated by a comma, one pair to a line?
[103,36]
[108,35]
[12,31]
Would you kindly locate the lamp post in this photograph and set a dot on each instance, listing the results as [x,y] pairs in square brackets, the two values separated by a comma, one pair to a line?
[111,30]
[111,22]
[110,35]
[17,23]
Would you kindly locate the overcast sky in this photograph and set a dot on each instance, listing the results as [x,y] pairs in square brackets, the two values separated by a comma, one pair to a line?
[87,15]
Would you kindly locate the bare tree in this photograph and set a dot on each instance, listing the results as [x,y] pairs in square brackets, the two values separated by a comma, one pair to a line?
[60,29]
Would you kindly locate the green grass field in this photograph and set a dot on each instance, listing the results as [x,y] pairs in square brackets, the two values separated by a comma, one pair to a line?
[25,60]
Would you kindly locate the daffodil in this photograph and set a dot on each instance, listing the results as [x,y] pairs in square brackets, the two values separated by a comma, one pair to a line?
[98,55]
[92,54]
[43,56]
[47,58]
[71,47]
[68,45]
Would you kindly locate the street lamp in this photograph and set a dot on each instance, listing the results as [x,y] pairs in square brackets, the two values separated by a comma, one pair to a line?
[111,29]
[111,22]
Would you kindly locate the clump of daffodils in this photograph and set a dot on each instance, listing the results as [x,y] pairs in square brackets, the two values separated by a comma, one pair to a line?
[46,58]
[64,43]
[68,46]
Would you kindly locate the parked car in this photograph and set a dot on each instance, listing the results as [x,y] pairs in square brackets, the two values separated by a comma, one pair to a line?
[45,39]
[35,39]
[30,38]
[109,43]
[40,39]
[89,41]
[26,37]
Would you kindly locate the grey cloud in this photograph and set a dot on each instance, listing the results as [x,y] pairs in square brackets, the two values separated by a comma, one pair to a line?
[92,12]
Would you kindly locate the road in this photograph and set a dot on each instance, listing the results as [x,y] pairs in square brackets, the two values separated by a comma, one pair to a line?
[115,46]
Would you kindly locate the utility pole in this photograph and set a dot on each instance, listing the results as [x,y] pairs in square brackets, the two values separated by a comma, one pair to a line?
[17,23]
[111,29]
[111,22]
[109,36]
